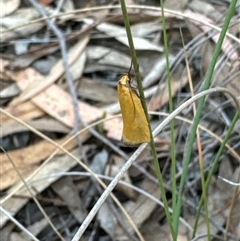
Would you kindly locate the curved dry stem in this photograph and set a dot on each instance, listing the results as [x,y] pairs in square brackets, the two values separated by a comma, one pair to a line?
[229,182]
[140,7]
[190,101]
[231,150]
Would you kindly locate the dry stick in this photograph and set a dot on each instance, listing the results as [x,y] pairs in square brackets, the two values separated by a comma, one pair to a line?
[81,164]
[19,225]
[69,77]
[127,165]
[34,198]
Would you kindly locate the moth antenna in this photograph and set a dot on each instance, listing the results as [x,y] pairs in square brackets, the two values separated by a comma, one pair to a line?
[130,68]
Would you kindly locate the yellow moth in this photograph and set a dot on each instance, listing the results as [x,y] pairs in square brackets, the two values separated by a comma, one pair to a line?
[135,125]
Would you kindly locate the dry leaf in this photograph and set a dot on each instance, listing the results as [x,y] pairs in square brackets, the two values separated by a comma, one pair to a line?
[43,124]
[114,128]
[8,6]
[95,90]
[161,97]
[26,159]
[112,169]
[24,111]
[143,207]
[9,91]
[40,182]
[176,5]
[120,34]
[35,229]
[153,230]
[143,29]
[109,223]
[68,192]
[157,71]
[58,103]
[24,60]
[227,46]
[45,2]
[205,8]
[16,237]
[78,66]
[21,16]
[36,86]
[98,166]
[102,56]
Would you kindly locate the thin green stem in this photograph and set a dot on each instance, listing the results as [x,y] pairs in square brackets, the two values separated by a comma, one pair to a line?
[141,93]
[170,103]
